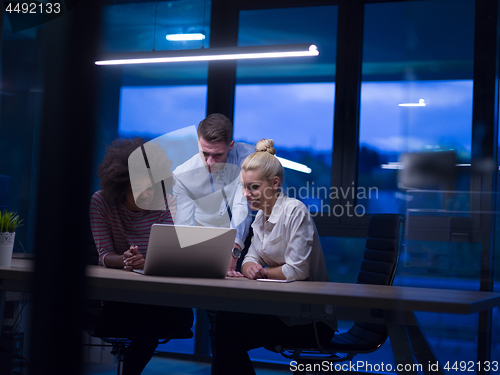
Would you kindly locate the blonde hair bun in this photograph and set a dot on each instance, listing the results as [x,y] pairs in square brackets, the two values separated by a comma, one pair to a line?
[266,145]
[265,161]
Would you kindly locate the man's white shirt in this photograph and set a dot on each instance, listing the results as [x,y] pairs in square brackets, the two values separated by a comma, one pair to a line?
[204,198]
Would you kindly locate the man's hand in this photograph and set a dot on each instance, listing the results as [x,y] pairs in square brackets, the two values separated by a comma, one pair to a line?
[231,272]
[133,260]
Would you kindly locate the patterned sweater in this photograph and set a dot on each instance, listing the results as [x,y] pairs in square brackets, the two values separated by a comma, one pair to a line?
[116,228]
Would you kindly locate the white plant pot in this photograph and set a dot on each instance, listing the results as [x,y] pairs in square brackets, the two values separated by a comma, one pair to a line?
[6,248]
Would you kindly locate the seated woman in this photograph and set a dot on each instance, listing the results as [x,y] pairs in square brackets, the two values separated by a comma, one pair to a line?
[121,226]
[285,245]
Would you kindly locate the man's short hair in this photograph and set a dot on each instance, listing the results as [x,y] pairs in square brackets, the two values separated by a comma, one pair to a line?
[216,128]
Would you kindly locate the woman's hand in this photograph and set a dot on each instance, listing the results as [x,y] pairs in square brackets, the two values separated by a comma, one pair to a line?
[255,271]
[133,260]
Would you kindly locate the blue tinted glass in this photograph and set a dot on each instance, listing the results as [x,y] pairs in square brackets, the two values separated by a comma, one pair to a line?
[318,26]
[299,118]
[390,125]
[440,119]
[291,100]
[154,111]
[416,96]
[416,111]
[144,26]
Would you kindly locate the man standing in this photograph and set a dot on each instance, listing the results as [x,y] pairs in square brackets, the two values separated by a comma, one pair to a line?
[207,187]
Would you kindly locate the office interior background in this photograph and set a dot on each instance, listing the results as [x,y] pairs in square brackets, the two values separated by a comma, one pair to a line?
[397,114]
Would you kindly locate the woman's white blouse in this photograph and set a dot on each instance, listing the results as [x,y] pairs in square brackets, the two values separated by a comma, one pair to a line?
[289,238]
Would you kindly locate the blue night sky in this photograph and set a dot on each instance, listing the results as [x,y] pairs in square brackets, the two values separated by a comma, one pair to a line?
[445,121]
[301,115]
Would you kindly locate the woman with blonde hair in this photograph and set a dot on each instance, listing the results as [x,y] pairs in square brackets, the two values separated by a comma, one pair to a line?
[285,246]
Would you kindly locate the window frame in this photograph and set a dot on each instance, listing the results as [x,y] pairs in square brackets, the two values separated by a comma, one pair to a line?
[220,98]
[222,81]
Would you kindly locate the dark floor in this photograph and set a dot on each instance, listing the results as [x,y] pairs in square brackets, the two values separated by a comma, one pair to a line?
[164,366]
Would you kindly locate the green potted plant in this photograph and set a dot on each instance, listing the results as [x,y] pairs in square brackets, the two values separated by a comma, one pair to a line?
[9,222]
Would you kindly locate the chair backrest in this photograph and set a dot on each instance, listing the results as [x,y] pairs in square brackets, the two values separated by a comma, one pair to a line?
[378,267]
[380,259]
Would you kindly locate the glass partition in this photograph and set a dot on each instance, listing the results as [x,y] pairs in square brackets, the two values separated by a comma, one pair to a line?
[415,136]
[155,99]
[150,100]
[21,95]
[416,93]
[291,100]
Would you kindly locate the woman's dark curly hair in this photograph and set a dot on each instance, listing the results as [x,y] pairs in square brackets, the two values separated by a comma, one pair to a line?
[113,171]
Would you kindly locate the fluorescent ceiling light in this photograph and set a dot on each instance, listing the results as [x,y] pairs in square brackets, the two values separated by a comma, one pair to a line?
[183,37]
[209,54]
[421,103]
[392,165]
[295,166]
[398,165]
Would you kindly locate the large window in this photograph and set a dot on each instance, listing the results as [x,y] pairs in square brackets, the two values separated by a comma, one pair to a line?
[150,100]
[416,100]
[154,111]
[21,94]
[415,127]
[156,98]
[305,110]
[396,119]
[416,94]
[291,100]
[142,26]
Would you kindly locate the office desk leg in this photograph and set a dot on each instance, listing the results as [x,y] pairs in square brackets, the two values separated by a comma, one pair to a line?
[421,348]
[401,348]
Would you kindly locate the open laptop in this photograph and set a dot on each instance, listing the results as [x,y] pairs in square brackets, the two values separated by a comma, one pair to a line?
[189,251]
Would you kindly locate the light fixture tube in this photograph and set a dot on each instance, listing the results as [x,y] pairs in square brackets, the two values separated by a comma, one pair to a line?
[392,165]
[184,37]
[294,165]
[210,54]
[421,103]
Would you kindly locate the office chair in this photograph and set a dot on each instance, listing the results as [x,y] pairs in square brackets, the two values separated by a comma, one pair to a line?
[379,264]
[113,337]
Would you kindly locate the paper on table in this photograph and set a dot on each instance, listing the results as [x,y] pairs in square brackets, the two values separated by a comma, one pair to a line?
[276,280]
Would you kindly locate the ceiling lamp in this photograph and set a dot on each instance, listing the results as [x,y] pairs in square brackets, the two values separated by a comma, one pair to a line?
[421,103]
[294,165]
[185,37]
[210,54]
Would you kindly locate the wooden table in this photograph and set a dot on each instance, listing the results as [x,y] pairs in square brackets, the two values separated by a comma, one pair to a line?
[304,299]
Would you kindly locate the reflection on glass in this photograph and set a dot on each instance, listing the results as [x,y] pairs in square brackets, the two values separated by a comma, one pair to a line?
[142,26]
[299,118]
[414,53]
[290,101]
[154,111]
[415,137]
[387,130]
